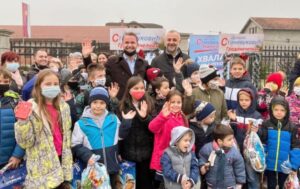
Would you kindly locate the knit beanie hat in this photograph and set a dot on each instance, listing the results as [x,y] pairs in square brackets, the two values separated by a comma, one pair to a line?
[207,74]
[297,82]
[190,68]
[275,78]
[153,73]
[203,109]
[99,93]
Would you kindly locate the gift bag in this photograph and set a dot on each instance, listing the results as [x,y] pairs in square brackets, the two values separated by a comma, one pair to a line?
[77,171]
[13,178]
[95,177]
[126,178]
[254,152]
[292,182]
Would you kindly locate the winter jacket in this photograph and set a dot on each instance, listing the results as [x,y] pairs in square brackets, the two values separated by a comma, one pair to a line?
[241,124]
[294,103]
[234,170]
[8,145]
[175,163]
[161,127]
[44,169]
[232,88]
[34,70]
[165,63]
[202,137]
[138,140]
[281,139]
[90,132]
[118,71]
[214,96]
[27,88]
[264,99]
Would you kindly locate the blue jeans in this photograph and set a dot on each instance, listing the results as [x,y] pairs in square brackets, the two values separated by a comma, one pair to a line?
[252,176]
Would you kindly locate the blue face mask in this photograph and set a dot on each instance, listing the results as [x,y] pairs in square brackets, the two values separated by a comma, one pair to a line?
[50,92]
[13,66]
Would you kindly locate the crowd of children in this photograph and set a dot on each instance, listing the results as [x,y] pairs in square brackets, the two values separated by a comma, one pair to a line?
[182,137]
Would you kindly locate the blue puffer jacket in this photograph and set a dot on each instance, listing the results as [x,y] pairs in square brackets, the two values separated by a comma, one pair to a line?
[234,170]
[280,138]
[8,146]
[232,88]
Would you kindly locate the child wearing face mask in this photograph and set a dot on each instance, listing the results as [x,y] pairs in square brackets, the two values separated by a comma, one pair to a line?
[171,116]
[208,91]
[45,134]
[160,90]
[220,162]
[10,152]
[180,165]
[294,102]
[138,143]
[240,78]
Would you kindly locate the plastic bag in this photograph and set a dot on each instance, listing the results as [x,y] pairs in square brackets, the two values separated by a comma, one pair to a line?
[95,177]
[292,182]
[254,152]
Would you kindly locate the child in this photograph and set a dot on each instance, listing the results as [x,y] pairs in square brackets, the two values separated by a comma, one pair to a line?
[179,163]
[45,135]
[203,124]
[138,144]
[294,102]
[272,88]
[98,131]
[208,91]
[239,79]
[10,152]
[282,142]
[171,116]
[240,120]
[220,162]
[161,89]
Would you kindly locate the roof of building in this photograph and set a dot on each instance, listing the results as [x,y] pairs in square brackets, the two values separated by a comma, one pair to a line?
[142,25]
[66,33]
[274,23]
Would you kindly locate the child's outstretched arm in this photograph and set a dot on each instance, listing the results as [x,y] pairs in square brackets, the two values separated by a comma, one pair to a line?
[125,125]
[156,125]
[80,151]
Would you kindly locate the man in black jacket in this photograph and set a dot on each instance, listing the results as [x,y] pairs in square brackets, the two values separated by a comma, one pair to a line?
[294,74]
[170,56]
[40,63]
[120,69]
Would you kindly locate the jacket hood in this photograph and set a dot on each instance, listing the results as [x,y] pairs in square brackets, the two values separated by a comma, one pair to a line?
[281,101]
[87,113]
[178,132]
[252,107]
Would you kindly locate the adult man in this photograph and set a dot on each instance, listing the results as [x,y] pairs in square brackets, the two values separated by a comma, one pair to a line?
[128,64]
[40,63]
[170,56]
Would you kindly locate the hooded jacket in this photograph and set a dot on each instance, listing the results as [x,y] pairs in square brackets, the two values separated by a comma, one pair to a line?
[294,103]
[161,127]
[98,135]
[281,138]
[232,88]
[241,124]
[176,164]
[234,170]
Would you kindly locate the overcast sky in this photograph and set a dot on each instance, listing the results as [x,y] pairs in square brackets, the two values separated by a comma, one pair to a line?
[191,16]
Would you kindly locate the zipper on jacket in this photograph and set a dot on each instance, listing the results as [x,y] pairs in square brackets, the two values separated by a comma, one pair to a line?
[278,146]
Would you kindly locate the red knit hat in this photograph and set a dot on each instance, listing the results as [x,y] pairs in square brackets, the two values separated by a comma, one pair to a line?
[275,78]
[152,73]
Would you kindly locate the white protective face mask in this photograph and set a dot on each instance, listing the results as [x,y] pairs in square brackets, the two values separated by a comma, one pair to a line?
[297,91]
[100,82]
[213,84]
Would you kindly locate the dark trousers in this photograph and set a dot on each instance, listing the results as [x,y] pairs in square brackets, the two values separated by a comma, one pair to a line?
[144,176]
[274,178]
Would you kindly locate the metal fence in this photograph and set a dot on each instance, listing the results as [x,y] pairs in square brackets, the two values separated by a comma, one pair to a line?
[55,47]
